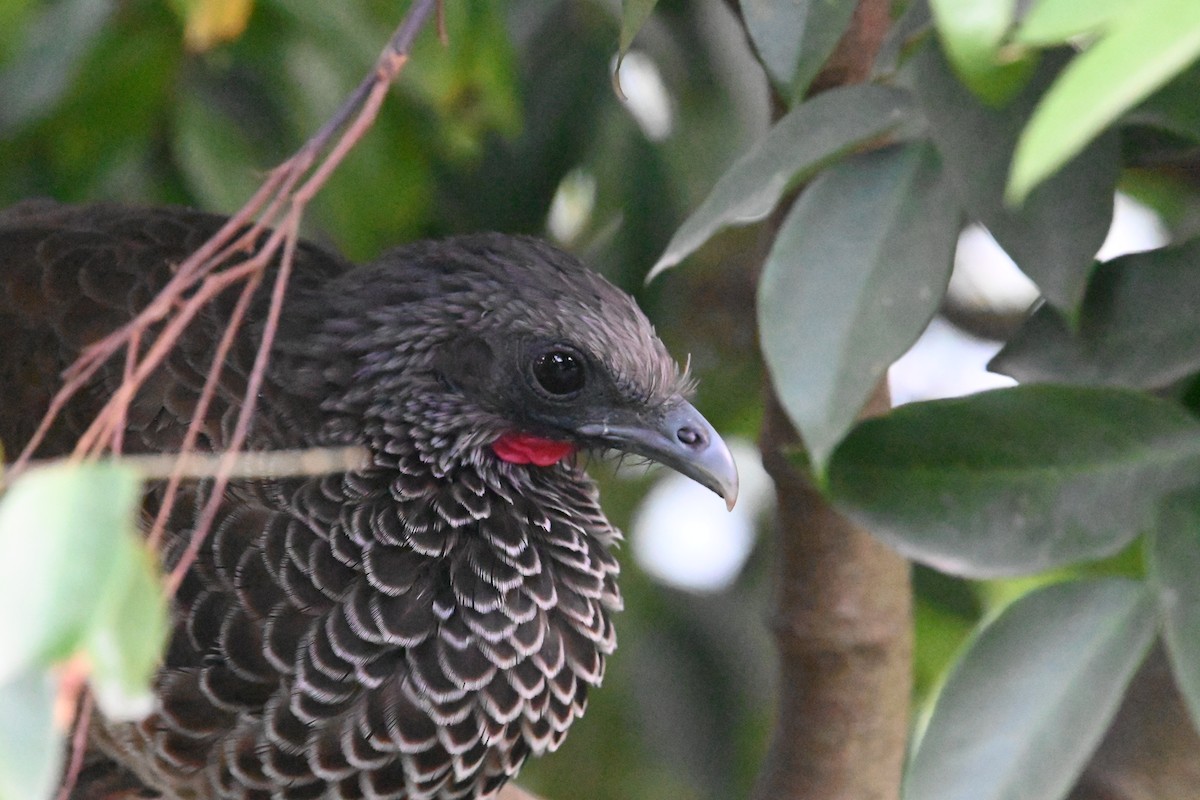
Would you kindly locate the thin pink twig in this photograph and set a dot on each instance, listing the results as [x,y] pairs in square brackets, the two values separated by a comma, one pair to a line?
[246,412]
[83,722]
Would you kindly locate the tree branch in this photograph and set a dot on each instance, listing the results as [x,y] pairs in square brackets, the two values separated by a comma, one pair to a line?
[844,634]
[217,265]
[843,600]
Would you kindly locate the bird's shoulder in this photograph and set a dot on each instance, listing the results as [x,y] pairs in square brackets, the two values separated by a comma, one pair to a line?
[71,274]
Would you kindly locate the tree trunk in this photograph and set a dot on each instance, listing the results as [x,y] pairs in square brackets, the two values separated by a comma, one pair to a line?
[843,600]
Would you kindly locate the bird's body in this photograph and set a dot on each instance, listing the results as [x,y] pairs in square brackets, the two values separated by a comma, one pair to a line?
[410,631]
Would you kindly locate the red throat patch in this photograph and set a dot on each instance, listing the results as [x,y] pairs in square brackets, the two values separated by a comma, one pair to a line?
[523,448]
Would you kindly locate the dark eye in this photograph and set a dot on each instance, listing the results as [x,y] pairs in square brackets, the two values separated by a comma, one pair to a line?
[559,372]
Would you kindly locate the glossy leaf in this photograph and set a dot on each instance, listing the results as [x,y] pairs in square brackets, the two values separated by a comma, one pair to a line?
[1015,481]
[1053,22]
[1139,326]
[60,534]
[1055,234]
[857,271]
[971,32]
[634,14]
[1174,562]
[1142,51]
[31,749]
[795,37]
[808,138]
[1033,694]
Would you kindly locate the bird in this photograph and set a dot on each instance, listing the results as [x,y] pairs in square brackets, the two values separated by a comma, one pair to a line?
[411,630]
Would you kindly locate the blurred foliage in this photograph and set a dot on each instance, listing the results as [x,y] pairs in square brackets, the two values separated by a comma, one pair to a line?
[86,591]
[125,102]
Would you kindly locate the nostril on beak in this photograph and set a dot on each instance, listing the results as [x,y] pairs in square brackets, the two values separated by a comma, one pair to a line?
[692,437]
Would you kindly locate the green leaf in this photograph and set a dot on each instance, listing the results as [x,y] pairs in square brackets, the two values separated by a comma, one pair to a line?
[31,749]
[808,138]
[1174,563]
[794,38]
[1015,481]
[60,538]
[1043,350]
[1033,694]
[208,23]
[857,271]
[1053,22]
[126,640]
[1143,50]
[1139,326]
[972,32]
[634,14]
[1054,236]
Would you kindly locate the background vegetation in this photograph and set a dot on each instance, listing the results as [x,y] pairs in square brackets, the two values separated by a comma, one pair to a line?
[865,159]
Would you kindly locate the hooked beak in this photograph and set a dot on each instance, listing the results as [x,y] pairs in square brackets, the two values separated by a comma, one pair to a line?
[680,438]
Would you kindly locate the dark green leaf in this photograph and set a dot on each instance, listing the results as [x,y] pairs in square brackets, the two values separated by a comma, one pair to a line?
[1139,326]
[795,37]
[857,271]
[634,14]
[1054,236]
[60,534]
[808,138]
[1174,561]
[1173,108]
[1043,350]
[1015,481]
[1033,694]
[31,749]
[910,28]
[1143,50]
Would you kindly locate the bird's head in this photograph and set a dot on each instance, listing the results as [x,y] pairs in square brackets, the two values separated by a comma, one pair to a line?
[504,349]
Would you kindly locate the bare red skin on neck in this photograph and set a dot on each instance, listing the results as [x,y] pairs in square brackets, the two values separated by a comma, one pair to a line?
[524,448]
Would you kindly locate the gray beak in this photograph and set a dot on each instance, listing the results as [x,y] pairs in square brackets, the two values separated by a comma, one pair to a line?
[680,438]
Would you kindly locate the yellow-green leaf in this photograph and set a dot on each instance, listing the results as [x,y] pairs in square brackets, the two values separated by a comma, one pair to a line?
[208,23]
[1142,51]
[61,530]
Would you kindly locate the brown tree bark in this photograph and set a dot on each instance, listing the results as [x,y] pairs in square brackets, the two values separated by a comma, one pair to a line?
[843,600]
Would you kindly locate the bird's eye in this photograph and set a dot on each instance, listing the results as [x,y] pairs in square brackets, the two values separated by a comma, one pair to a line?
[559,372]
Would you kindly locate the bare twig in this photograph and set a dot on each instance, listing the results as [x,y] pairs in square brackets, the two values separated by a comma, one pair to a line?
[843,601]
[83,719]
[228,258]
[266,464]
[201,411]
[233,255]
[245,413]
